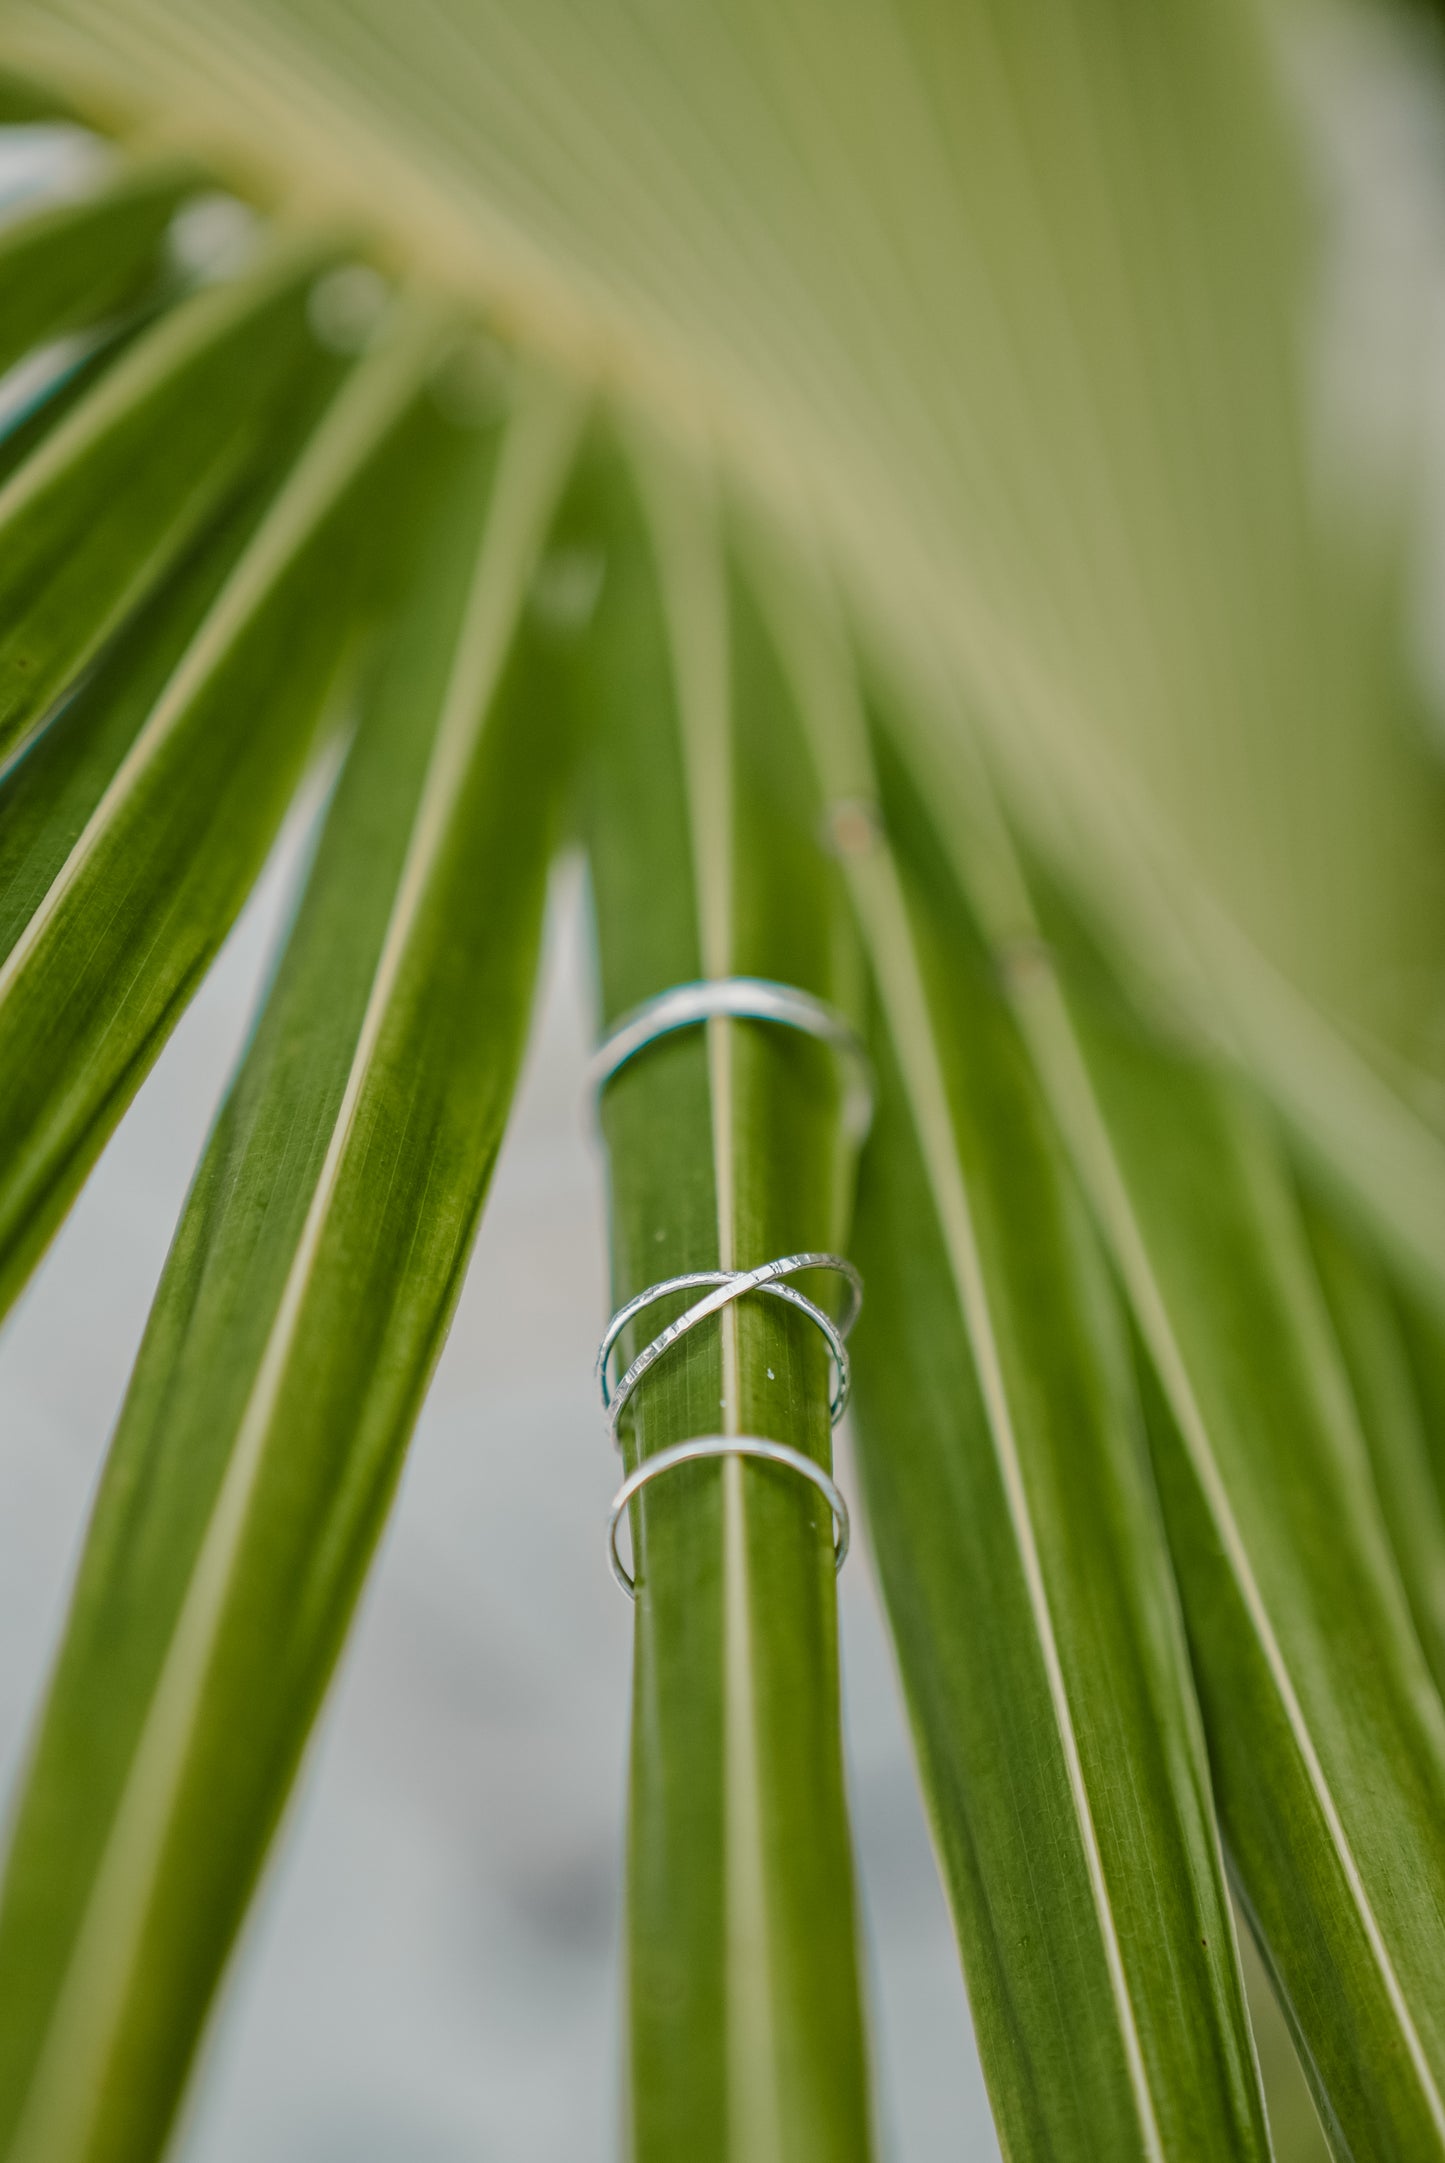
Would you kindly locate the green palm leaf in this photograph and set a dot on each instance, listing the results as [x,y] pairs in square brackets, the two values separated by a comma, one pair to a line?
[972,334]
[724,1145]
[1423,1326]
[128,874]
[65,268]
[1013,300]
[1022,1555]
[1327,1759]
[257,1451]
[109,501]
[1392,1416]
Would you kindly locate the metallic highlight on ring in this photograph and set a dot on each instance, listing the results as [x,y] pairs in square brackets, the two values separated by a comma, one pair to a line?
[741,998]
[725,1445]
[728,1285]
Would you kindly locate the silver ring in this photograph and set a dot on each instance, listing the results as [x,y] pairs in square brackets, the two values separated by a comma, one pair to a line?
[725,1445]
[741,998]
[728,1285]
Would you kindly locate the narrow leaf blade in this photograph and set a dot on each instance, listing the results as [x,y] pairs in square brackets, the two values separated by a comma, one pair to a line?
[1022,1557]
[1392,1418]
[745,2029]
[108,939]
[1326,1733]
[110,498]
[69,265]
[297,1324]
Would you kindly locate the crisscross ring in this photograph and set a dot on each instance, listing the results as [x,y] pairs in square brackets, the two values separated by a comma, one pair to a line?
[725,1445]
[727,1285]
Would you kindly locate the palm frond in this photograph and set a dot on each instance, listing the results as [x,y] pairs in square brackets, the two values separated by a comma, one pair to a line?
[137,897]
[726,1151]
[910,498]
[109,500]
[1004,1456]
[281,1373]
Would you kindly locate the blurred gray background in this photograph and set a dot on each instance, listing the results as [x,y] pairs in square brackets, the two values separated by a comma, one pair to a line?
[431,1974]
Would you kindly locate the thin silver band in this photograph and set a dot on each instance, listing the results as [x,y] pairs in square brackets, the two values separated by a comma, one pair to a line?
[741,998]
[725,1445]
[728,1285]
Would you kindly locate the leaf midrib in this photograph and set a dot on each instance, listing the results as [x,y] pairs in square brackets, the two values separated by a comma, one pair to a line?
[695,611]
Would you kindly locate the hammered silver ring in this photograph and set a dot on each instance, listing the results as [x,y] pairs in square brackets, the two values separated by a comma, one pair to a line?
[741,998]
[701,1447]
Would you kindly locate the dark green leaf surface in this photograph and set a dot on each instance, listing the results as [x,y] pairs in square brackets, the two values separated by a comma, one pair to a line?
[1022,1556]
[1373,1345]
[59,390]
[128,848]
[1422,1323]
[298,1321]
[23,101]
[745,2035]
[113,495]
[67,265]
[1326,1733]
